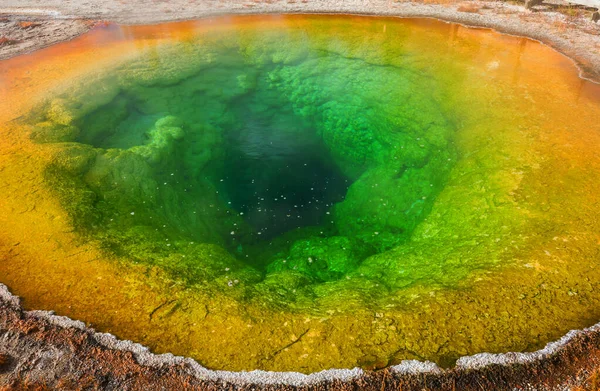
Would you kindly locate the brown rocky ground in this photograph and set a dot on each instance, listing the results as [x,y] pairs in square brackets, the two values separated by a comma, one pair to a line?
[20,34]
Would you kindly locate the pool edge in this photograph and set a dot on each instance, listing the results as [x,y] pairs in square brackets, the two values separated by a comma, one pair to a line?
[505,18]
[39,348]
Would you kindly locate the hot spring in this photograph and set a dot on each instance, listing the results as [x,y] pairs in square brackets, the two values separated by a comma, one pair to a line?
[298,193]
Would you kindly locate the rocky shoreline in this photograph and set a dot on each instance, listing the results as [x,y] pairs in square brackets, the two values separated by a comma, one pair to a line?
[42,351]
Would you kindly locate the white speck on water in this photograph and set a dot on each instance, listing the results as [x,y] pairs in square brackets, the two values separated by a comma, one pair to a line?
[492,65]
[132,213]
[233,232]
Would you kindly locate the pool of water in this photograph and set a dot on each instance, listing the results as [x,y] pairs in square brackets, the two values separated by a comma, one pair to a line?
[303,192]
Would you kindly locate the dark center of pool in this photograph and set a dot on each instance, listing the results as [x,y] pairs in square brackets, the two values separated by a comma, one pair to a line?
[278,173]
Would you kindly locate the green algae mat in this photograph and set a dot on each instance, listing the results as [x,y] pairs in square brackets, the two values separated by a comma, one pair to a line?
[304,192]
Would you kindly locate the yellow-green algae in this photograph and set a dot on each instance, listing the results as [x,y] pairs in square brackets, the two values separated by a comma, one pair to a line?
[470,222]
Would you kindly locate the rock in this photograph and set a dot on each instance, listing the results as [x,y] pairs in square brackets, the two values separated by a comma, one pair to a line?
[596,16]
[532,3]
[324,259]
[4,359]
[50,132]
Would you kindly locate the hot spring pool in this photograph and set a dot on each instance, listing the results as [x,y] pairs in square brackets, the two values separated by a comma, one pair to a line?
[298,193]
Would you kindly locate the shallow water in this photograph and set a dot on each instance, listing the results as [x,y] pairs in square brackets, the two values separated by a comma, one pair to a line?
[303,192]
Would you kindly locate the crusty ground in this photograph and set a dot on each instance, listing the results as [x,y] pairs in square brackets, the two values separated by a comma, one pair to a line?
[20,34]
